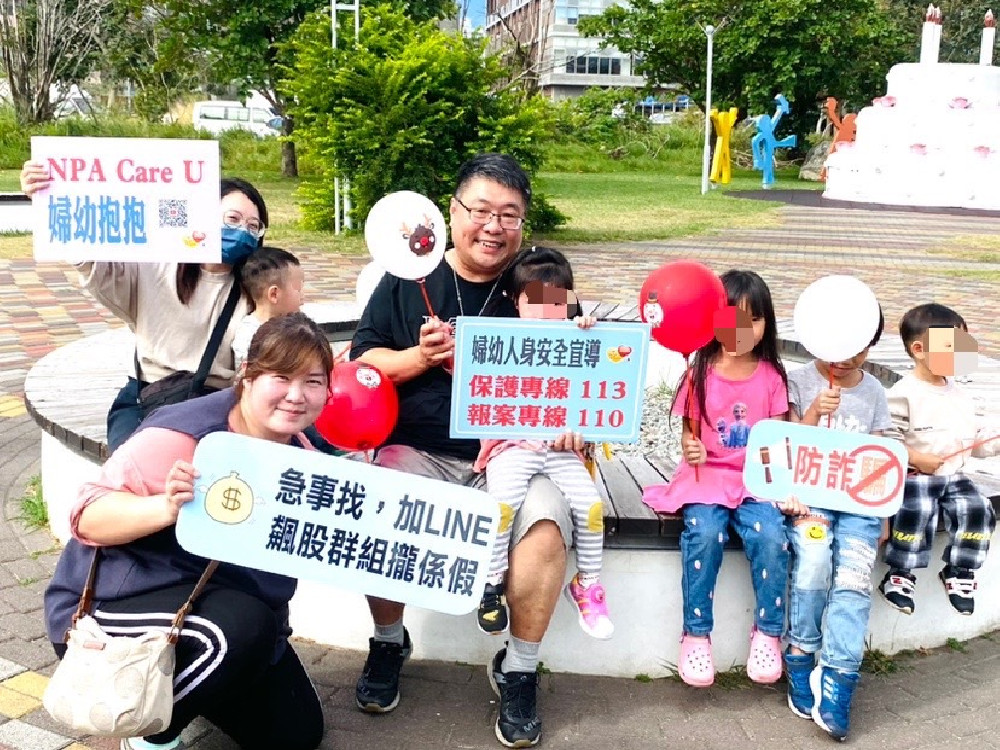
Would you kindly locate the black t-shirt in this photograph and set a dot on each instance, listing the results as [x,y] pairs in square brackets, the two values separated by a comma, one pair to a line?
[392,320]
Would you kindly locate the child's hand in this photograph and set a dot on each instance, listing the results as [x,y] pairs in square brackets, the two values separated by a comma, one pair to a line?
[792,506]
[827,402]
[884,536]
[585,321]
[926,463]
[694,451]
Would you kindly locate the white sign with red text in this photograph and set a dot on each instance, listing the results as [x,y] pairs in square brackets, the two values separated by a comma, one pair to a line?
[128,199]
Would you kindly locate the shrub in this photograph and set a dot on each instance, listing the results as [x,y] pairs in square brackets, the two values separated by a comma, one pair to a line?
[401,110]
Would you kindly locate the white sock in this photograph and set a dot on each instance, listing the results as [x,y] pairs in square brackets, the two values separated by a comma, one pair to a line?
[390,633]
[588,579]
[495,579]
[522,656]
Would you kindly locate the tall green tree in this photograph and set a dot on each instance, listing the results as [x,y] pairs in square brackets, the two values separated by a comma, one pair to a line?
[243,42]
[806,49]
[402,109]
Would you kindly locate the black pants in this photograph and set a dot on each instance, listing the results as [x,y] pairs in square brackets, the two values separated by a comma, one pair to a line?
[224,670]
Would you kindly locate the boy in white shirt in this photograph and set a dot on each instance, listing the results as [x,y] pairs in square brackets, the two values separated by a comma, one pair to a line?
[940,427]
[273,279]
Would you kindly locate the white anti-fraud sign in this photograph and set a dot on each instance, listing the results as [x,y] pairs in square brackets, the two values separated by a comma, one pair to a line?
[307,515]
[142,200]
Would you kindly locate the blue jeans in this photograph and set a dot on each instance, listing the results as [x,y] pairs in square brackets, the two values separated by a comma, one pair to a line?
[834,553]
[706,530]
[124,415]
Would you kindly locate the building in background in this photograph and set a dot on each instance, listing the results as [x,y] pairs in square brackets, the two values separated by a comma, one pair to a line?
[542,39]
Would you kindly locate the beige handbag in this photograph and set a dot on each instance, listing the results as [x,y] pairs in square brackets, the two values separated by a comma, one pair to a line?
[116,686]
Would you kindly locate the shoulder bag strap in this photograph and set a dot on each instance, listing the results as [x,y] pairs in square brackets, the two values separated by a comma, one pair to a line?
[216,338]
[178,623]
[87,597]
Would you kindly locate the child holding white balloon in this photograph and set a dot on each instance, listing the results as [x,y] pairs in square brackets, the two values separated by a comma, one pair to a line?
[273,278]
[540,283]
[738,378]
[833,551]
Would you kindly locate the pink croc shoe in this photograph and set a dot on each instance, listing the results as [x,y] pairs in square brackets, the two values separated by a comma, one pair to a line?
[697,667]
[592,607]
[764,661]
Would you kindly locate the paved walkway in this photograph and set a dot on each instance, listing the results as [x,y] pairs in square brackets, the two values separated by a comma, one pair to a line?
[942,700]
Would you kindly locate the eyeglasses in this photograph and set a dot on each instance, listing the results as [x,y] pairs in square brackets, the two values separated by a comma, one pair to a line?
[484,216]
[236,220]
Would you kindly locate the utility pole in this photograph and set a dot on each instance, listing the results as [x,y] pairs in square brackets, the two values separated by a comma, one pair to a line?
[355,8]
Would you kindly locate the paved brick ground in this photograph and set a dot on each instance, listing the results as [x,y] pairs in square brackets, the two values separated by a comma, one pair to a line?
[945,699]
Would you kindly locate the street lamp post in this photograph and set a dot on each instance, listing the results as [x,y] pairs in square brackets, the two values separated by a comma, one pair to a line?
[710,35]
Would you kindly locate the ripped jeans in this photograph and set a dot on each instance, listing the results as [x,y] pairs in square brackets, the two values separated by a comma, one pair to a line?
[833,556]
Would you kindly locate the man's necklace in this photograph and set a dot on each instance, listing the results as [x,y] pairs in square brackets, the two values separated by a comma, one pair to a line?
[458,292]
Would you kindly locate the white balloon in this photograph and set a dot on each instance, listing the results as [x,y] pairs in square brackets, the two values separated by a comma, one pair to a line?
[368,279]
[406,234]
[836,317]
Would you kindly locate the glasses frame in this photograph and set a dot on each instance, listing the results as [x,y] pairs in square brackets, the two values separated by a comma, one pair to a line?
[493,214]
[242,224]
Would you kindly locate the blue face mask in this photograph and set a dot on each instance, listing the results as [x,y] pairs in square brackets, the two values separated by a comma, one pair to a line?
[237,244]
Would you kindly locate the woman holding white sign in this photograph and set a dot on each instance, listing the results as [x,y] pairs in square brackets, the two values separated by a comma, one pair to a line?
[234,665]
[173,308]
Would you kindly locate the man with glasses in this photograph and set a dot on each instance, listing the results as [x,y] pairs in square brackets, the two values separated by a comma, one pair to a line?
[416,351]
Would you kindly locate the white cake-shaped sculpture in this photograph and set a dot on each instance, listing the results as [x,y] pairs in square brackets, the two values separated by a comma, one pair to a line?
[933,139]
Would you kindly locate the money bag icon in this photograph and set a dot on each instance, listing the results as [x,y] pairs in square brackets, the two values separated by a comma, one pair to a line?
[229,500]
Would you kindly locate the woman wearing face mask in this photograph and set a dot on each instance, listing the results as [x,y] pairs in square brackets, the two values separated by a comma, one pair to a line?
[172,307]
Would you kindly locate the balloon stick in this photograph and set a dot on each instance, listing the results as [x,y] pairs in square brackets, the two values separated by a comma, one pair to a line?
[695,423]
[427,299]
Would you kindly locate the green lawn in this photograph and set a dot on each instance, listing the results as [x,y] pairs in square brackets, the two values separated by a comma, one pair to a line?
[608,206]
[621,206]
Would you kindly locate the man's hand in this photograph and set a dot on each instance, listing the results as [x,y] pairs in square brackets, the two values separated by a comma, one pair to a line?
[436,343]
[585,321]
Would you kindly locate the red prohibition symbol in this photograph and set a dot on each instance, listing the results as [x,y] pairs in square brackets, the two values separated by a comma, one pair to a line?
[891,464]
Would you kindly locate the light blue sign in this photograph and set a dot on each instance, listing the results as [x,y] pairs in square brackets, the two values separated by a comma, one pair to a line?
[347,523]
[847,471]
[535,379]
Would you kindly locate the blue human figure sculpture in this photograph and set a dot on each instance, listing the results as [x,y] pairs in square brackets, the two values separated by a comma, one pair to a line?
[764,143]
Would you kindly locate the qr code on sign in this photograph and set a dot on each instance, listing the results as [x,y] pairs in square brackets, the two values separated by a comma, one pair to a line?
[174,214]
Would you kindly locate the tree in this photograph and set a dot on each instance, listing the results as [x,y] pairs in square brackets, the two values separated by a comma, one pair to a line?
[138,47]
[961,31]
[806,49]
[402,109]
[46,42]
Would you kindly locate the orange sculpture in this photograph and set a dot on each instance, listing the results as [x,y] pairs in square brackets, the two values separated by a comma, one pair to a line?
[845,131]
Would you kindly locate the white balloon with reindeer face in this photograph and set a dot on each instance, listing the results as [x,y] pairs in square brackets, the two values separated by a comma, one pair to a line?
[406,234]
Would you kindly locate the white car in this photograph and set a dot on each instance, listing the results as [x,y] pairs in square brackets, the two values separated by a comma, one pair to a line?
[219,116]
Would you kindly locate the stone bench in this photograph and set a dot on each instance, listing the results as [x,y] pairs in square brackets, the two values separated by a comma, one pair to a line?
[68,393]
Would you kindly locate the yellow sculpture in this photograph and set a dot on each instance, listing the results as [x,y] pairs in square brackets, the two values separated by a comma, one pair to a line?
[722,162]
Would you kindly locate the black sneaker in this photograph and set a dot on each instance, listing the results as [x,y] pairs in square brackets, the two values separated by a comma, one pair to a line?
[960,585]
[897,589]
[377,691]
[492,616]
[518,724]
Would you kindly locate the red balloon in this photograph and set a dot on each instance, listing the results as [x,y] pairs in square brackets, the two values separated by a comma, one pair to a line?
[361,409]
[680,300]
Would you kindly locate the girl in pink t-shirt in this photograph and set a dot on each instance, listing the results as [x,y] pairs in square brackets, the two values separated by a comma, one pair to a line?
[738,381]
